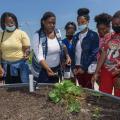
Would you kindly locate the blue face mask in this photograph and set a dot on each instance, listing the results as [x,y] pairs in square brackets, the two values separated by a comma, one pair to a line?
[10,29]
[82,27]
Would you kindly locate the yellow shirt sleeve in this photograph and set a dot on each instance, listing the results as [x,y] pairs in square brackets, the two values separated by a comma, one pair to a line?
[25,39]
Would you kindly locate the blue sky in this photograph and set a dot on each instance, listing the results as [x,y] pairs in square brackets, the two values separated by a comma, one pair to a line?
[29,12]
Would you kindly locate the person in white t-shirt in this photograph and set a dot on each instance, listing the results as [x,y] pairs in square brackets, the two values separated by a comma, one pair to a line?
[49,50]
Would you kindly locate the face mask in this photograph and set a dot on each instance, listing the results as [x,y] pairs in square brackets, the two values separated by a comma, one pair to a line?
[82,27]
[10,29]
[116,29]
[69,36]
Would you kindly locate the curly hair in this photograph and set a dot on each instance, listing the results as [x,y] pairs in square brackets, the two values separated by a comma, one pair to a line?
[117,14]
[103,18]
[83,12]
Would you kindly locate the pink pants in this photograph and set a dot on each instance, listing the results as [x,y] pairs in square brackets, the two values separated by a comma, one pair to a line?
[107,82]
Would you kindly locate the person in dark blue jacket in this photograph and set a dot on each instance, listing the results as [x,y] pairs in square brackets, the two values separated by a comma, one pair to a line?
[85,47]
[70,29]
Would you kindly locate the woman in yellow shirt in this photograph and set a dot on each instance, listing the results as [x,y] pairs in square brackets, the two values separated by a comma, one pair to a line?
[15,49]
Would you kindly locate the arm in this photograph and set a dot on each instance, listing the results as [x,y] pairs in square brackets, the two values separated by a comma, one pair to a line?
[101,61]
[99,65]
[68,60]
[26,52]
[38,51]
[1,69]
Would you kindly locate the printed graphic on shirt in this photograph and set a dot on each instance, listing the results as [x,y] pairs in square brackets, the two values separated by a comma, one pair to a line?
[113,54]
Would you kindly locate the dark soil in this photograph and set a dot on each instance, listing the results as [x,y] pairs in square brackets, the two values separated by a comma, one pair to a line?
[19,104]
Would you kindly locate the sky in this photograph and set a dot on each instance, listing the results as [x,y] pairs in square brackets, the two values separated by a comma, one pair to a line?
[29,12]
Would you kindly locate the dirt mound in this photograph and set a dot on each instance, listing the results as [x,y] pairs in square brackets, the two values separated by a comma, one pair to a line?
[19,104]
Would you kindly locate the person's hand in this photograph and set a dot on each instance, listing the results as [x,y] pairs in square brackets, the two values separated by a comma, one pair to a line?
[78,71]
[26,56]
[117,83]
[75,72]
[94,78]
[63,65]
[1,72]
[50,72]
[68,60]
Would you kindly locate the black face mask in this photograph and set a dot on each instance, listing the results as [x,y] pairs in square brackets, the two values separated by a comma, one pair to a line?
[69,36]
[116,29]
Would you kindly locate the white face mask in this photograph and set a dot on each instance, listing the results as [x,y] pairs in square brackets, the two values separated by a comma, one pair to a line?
[82,27]
[11,29]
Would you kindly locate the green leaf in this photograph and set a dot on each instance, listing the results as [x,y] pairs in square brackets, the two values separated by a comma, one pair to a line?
[74,107]
[67,91]
[55,96]
[60,87]
[67,83]
[74,90]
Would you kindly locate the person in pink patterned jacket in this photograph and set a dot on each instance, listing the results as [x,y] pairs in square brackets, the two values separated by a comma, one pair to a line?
[108,66]
[103,22]
[103,25]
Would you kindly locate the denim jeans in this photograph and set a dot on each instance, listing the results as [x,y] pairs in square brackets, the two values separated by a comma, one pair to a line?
[18,69]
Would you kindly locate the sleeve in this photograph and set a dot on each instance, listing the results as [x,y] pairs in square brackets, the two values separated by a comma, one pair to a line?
[25,39]
[94,50]
[107,39]
[64,41]
[37,48]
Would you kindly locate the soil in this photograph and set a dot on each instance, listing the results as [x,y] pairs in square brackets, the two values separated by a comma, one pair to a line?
[19,104]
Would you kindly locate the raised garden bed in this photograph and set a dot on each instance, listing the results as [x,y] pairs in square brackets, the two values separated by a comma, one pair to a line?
[19,104]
